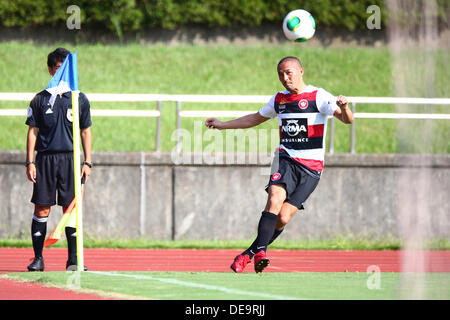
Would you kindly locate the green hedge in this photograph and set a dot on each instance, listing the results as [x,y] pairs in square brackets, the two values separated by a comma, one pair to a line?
[135,15]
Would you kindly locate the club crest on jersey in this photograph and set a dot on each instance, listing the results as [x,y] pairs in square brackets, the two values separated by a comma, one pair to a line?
[29,112]
[303,104]
[276,176]
[69,115]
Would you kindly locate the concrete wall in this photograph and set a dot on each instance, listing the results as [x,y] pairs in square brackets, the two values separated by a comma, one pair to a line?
[146,195]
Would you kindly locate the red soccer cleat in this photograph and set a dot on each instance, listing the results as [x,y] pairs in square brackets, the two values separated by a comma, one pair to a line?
[261,261]
[240,262]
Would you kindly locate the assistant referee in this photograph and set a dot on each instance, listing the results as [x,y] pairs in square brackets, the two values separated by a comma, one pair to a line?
[52,172]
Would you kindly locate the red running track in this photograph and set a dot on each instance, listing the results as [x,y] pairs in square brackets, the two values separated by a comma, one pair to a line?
[15,290]
[16,260]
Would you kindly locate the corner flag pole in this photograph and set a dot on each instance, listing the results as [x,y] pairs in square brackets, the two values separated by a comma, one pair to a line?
[77,173]
[77,166]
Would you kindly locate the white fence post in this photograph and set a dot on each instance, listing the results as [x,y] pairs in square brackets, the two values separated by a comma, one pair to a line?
[158,127]
[353,130]
[178,126]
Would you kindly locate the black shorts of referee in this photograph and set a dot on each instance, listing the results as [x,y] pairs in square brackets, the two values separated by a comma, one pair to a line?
[297,180]
[54,179]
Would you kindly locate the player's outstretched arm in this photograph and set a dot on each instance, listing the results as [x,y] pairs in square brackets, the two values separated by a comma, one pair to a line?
[343,113]
[247,121]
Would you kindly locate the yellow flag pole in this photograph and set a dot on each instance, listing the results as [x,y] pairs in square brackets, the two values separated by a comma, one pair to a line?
[77,173]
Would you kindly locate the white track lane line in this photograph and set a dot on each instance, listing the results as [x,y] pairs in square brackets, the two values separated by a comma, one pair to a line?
[197,285]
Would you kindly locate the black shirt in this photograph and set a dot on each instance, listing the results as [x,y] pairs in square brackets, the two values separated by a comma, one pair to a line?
[55,124]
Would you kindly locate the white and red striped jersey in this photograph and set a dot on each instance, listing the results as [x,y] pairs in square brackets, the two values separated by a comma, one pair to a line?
[303,121]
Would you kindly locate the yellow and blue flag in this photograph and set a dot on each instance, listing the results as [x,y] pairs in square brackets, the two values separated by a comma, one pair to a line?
[67,220]
[65,79]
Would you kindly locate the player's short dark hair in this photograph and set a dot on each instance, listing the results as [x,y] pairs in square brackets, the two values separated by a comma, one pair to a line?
[289,58]
[59,55]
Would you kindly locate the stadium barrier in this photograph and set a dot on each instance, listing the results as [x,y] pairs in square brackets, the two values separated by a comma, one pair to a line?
[159,195]
[146,195]
[250,99]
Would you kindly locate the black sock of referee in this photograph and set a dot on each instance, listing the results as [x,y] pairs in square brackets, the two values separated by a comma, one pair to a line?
[38,233]
[266,228]
[71,236]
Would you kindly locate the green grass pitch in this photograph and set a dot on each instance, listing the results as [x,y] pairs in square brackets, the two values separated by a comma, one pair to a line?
[245,286]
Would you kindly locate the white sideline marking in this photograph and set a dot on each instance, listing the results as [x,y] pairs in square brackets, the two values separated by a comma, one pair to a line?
[197,285]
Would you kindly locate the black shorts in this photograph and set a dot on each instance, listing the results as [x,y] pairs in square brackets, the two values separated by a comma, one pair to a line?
[54,173]
[298,183]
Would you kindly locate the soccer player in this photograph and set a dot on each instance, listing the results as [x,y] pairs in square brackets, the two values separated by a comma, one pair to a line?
[302,112]
[50,134]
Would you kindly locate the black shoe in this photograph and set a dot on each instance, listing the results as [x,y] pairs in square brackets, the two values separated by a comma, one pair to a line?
[73,266]
[37,264]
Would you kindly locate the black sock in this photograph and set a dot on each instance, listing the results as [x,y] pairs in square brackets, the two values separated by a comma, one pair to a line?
[266,228]
[276,233]
[71,236]
[38,233]
[252,249]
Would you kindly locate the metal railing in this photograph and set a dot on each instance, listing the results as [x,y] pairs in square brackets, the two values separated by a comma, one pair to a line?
[353,100]
[247,99]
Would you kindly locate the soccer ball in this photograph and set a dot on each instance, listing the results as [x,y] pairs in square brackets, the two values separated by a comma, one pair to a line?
[299,25]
